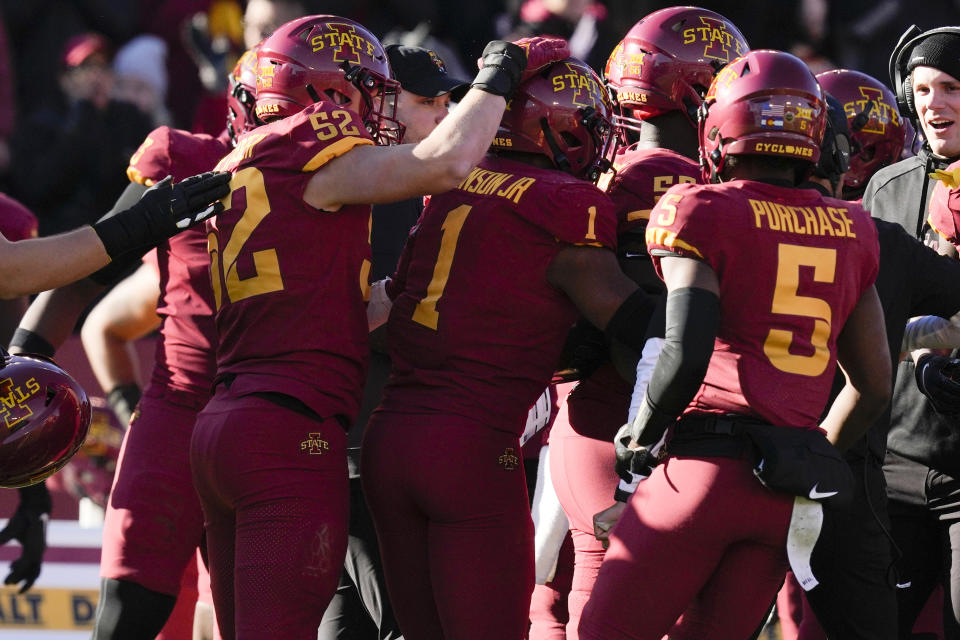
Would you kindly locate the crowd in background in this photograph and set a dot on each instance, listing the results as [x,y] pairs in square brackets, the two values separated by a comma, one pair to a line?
[83,81]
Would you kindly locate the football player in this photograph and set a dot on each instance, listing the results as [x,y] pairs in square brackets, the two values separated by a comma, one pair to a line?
[765,291]
[658,75]
[142,564]
[290,260]
[488,286]
[876,128]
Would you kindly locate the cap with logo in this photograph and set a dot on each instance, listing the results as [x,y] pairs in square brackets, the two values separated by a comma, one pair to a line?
[422,72]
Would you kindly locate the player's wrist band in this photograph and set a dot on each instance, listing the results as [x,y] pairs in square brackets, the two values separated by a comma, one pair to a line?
[27,341]
[503,65]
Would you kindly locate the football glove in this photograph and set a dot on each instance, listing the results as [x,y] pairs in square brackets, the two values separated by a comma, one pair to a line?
[505,65]
[164,210]
[28,526]
[632,459]
[938,378]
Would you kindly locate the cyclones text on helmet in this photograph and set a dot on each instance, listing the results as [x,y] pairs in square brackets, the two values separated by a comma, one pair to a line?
[333,59]
[564,113]
[667,60]
[765,103]
[44,419]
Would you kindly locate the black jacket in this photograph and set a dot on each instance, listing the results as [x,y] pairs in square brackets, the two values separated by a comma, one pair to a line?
[913,282]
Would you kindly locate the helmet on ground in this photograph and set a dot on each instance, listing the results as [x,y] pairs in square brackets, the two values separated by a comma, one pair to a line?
[667,61]
[332,59]
[764,103]
[564,113]
[44,419]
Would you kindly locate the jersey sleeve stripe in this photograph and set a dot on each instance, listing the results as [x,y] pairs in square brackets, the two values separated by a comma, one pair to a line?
[335,150]
[639,214]
[670,240]
[943,234]
[134,175]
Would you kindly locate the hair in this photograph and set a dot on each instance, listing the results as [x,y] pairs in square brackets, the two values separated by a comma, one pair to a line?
[799,168]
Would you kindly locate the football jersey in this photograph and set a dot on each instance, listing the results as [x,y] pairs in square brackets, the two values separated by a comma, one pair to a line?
[641,177]
[16,221]
[290,281]
[185,357]
[944,222]
[791,265]
[476,329]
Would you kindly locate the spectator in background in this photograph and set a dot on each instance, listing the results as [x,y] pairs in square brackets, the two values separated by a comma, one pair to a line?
[140,77]
[261,17]
[581,22]
[69,156]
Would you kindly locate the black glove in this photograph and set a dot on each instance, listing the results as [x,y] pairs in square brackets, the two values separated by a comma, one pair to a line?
[28,526]
[632,460]
[164,210]
[939,379]
[123,399]
[583,352]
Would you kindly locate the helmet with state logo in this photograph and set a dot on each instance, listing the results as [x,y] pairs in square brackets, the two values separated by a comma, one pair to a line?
[564,113]
[331,59]
[765,103]
[876,128]
[44,419]
[667,61]
[241,94]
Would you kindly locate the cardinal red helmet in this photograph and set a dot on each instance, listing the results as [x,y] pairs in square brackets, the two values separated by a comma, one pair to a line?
[241,94]
[667,61]
[331,59]
[564,112]
[767,103]
[876,128]
[44,418]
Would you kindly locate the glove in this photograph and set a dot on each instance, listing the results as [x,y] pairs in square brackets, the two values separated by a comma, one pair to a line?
[505,65]
[605,520]
[632,459]
[28,526]
[937,378]
[123,399]
[583,352]
[542,51]
[164,210]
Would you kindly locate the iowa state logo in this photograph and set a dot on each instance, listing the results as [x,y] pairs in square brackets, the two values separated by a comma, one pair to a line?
[13,400]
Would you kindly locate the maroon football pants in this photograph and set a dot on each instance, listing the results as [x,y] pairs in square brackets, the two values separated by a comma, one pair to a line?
[153,521]
[701,537]
[274,490]
[449,501]
[582,467]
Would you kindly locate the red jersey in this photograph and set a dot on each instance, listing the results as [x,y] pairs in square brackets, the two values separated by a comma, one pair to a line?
[476,329]
[792,265]
[642,176]
[290,280]
[16,221]
[185,356]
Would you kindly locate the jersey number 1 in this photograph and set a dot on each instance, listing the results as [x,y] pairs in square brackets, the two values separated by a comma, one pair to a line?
[426,311]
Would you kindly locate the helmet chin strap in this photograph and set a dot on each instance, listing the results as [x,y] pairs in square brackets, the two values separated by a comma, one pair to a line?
[559,158]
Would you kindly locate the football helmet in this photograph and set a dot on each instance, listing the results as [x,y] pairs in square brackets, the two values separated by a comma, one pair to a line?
[241,95]
[876,128]
[667,60]
[767,103]
[333,59]
[44,419]
[564,113]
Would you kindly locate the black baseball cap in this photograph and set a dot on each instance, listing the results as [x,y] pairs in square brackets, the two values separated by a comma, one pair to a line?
[421,71]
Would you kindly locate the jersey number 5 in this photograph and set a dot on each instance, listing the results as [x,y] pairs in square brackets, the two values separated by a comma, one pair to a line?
[786,301]
[223,264]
